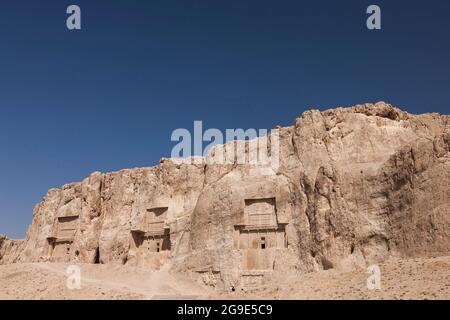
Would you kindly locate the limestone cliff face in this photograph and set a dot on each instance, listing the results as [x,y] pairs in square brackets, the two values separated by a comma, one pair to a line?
[353,186]
[92,220]
[9,249]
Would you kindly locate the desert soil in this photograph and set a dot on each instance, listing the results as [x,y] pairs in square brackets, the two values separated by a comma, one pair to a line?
[420,278]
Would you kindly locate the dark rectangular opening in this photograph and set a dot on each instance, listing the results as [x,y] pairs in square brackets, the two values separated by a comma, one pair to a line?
[97,256]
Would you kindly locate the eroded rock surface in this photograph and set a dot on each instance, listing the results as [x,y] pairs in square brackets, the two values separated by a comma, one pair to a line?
[354,186]
[9,249]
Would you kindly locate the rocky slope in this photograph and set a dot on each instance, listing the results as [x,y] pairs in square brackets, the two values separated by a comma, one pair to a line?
[353,187]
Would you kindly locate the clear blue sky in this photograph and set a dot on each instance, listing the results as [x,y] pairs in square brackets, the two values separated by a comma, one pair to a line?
[108,97]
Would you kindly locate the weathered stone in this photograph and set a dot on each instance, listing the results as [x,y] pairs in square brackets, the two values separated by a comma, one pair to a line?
[353,187]
[9,249]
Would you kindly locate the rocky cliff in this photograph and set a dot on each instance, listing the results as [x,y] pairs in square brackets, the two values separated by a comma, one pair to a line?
[353,186]
[9,249]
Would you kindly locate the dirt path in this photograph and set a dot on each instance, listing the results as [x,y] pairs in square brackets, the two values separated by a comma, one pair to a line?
[158,285]
[120,286]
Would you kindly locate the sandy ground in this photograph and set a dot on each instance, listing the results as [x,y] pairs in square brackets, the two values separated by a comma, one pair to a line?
[99,282]
[400,279]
